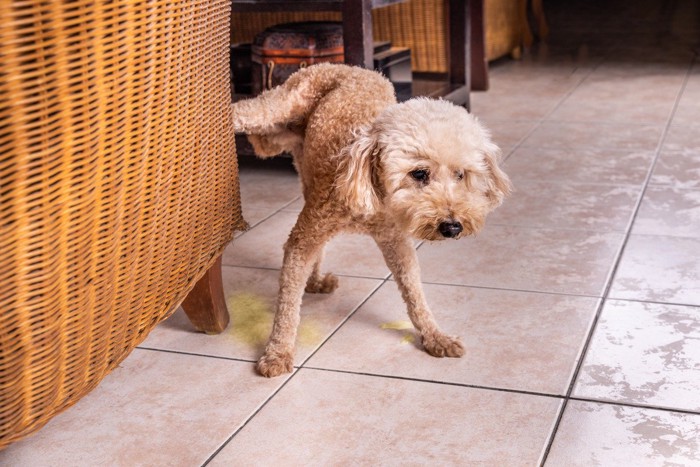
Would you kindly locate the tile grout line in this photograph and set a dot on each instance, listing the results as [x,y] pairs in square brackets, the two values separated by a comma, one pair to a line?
[438,382]
[544,117]
[617,261]
[506,390]
[248,420]
[342,323]
[296,371]
[266,218]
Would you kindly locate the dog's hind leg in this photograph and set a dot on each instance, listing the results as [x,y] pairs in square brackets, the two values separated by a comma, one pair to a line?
[400,255]
[321,283]
[300,252]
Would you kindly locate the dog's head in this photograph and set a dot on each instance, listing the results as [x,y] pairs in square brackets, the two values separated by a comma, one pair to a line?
[429,165]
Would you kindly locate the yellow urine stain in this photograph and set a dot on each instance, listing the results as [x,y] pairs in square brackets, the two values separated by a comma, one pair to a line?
[251,318]
[407,337]
[251,321]
[397,325]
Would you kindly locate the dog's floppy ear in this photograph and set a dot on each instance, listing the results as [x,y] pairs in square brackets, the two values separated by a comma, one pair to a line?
[357,179]
[498,183]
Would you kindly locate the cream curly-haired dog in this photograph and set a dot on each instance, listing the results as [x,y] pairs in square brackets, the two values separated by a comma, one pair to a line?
[423,168]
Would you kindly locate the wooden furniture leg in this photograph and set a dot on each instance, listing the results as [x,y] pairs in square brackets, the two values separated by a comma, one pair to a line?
[205,305]
[479,61]
[538,12]
[458,38]
[357,33]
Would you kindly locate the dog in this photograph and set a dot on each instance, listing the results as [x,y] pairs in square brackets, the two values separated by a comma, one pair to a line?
[424,169]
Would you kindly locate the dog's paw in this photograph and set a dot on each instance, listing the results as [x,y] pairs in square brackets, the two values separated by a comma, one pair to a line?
[275,363]
[441,345]
[325,284]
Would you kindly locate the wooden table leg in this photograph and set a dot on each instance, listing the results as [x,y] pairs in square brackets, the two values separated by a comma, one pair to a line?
[459,39]
[538,12]
[479,62]
[357,33]
[205,305]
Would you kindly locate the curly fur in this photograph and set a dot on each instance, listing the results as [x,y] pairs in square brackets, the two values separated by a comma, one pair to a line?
[361,157]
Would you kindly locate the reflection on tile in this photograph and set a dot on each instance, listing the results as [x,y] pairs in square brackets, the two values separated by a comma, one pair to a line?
[611,109]
[251,296]
[262,245]
[253,217]
[507,105]
[156,408]
[345,254]
[295,206]
[659,268]
[595,434]
[683,138]
[678,168]
[614,95]
[569,206]
[507,134]
[687,112]
[544,260]
[669,211]
[391,422]
[582,165]
[568,135]
[644,353]
[268,189]
[513,340]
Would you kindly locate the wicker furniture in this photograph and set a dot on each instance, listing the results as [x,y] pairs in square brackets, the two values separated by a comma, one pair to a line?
[498,28]
[363,20]
[118,188]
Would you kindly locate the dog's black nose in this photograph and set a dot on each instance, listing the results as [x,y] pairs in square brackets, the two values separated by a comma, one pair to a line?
[450,229]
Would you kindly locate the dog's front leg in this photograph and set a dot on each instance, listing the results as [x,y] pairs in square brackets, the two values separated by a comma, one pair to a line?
[300,253]
[400,255]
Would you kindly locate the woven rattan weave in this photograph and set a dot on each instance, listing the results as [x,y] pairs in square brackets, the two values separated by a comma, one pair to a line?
[418,25]
[118,185]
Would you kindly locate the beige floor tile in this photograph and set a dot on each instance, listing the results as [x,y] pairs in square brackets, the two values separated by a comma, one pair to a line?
[688,111]
[157,408]
[295,206]
[545,260]
[669,211]
[346,254]
[607,435]
[514,340]
[261,246]
[575,135]
[659,268]
[683,138]
[644,353]
[572,206]
[582,165]
[678,168]
[254,216]
[614,96]
[535,77]
[391,422]
[251,295]
[509,105]
[507,134]
[585,109]
[268,188]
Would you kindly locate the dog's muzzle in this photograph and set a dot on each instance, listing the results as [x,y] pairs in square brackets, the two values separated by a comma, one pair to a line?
[450,229]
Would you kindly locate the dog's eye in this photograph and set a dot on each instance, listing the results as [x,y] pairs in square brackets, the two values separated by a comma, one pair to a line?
[459,174]
[421,175]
